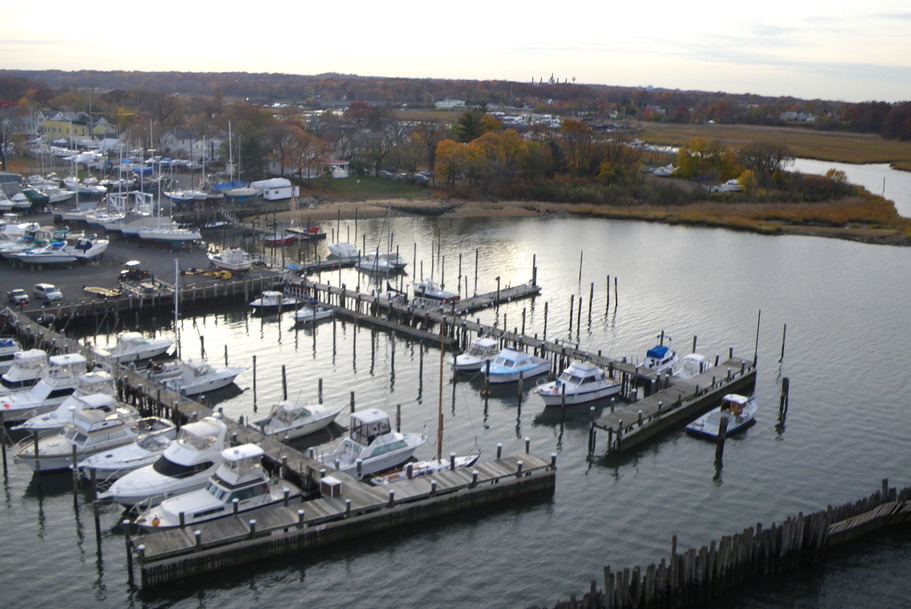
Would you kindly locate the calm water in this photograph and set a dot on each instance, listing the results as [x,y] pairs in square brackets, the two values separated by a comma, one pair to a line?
[846,307]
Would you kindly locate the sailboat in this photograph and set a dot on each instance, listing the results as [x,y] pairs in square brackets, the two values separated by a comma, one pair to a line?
[238,190]
[431,466]
[378,263]
[195,376]
[170,233]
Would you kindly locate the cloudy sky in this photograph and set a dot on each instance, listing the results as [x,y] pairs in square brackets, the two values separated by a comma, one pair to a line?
[851,51]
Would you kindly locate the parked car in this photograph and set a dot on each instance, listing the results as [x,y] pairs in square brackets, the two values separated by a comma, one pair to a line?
[18,297]
[47,292]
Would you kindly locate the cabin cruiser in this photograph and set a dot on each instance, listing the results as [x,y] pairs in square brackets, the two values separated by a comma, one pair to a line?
[381,263]
[91,431]
[692,365]
[371,445]
[145,450]
[311,313]
[240,484]
[432,290]
[55,386]
[9,347]
[288,420]
[660,358]
[343,250]
[92,393]
[232,259]
[133,346]
[739,410]
[194,376]
[26,369]
[510,365]
[271,300]
[185,465]
[480,351]
[577,384]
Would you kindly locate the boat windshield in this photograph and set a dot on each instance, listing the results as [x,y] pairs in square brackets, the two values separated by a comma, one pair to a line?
[288,416]
[477,351]
[166,467]
[390,447]
[154,442]
[196,442]
[364,433]
[74,436]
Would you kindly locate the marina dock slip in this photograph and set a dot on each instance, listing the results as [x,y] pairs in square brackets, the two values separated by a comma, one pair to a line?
[348,509]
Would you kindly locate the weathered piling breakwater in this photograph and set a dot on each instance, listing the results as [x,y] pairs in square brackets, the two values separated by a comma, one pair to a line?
[693,577]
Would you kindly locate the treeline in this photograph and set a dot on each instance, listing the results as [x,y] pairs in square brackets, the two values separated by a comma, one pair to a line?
[585,102]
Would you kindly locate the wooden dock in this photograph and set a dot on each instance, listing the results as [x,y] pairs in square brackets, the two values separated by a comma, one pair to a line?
[355,510]
[676,402]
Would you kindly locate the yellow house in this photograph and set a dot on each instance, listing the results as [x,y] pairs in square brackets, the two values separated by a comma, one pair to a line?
[71,126]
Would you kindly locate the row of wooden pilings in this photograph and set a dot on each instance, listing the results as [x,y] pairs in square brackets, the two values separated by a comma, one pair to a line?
[694,577]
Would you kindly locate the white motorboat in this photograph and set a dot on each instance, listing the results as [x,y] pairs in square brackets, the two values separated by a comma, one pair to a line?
[343,250]
[311,313]
[95,391]
[59,382]
[233,259]
[133,346]
[578,383]
[185,465]
[510,365]
[480,350]
[660,358]
[86,248]
[9,347]
[430,289]
[26,369]
[371,445]
[194,376]
[91,431]
[240,484]
[692,365]
[381,263]
[271,300]
[49,253]
[119,461]
[739,410]
[425,468]
[289,420]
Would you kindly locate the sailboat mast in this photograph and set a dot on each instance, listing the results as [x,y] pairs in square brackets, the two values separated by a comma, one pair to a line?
[176,305]
[440,408]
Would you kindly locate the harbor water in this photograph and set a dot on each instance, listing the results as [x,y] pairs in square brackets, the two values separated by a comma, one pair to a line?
[846,308]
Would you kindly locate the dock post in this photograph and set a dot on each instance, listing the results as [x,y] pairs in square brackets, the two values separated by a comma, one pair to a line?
[391,497]
[347,508]
[3,444]
[527,445]
[409,470]
[197,534]
[300,519]
[519,465]
[254,379]
[360,468]
[320,390]
[126,540]
[474,478]
[252,523]
[499,450]
[722,435]
[694,343]
[784,334]
[352,401]
[782,403]
[544,333]
[398,418]
[433,488]
[182,519]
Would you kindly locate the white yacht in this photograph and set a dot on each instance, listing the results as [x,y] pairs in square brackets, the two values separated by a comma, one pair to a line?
[194,376]
[134,346]
[371,445]
[240,484]
[90,432]
[381,263]
[660,358]
[9,347]
[273,300]
[739,410]
[430,289]
[311,313]
[145,450]
[26,369]
[510,365]
[288,420]
[59,382]
[577,384]
[480,350]
[81,399]
[185,465]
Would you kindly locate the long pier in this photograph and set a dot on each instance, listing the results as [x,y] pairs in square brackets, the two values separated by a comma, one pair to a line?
[348,509]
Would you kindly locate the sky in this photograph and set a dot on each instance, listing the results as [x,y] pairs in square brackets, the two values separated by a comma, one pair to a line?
[845,51]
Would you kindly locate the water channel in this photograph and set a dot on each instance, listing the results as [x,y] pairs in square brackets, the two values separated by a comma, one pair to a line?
[846,306]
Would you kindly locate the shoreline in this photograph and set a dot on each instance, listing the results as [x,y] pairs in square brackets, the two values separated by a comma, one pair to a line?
[473,208]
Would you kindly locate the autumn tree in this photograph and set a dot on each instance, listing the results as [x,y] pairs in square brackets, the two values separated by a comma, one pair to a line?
[576,140]
[451,159]
[706,158]
[765,160]
[305,150]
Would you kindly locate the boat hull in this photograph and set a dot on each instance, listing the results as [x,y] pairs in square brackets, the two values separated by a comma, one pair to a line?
[553,396]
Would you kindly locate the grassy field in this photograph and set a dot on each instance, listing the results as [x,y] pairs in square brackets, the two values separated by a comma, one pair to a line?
[804,143]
